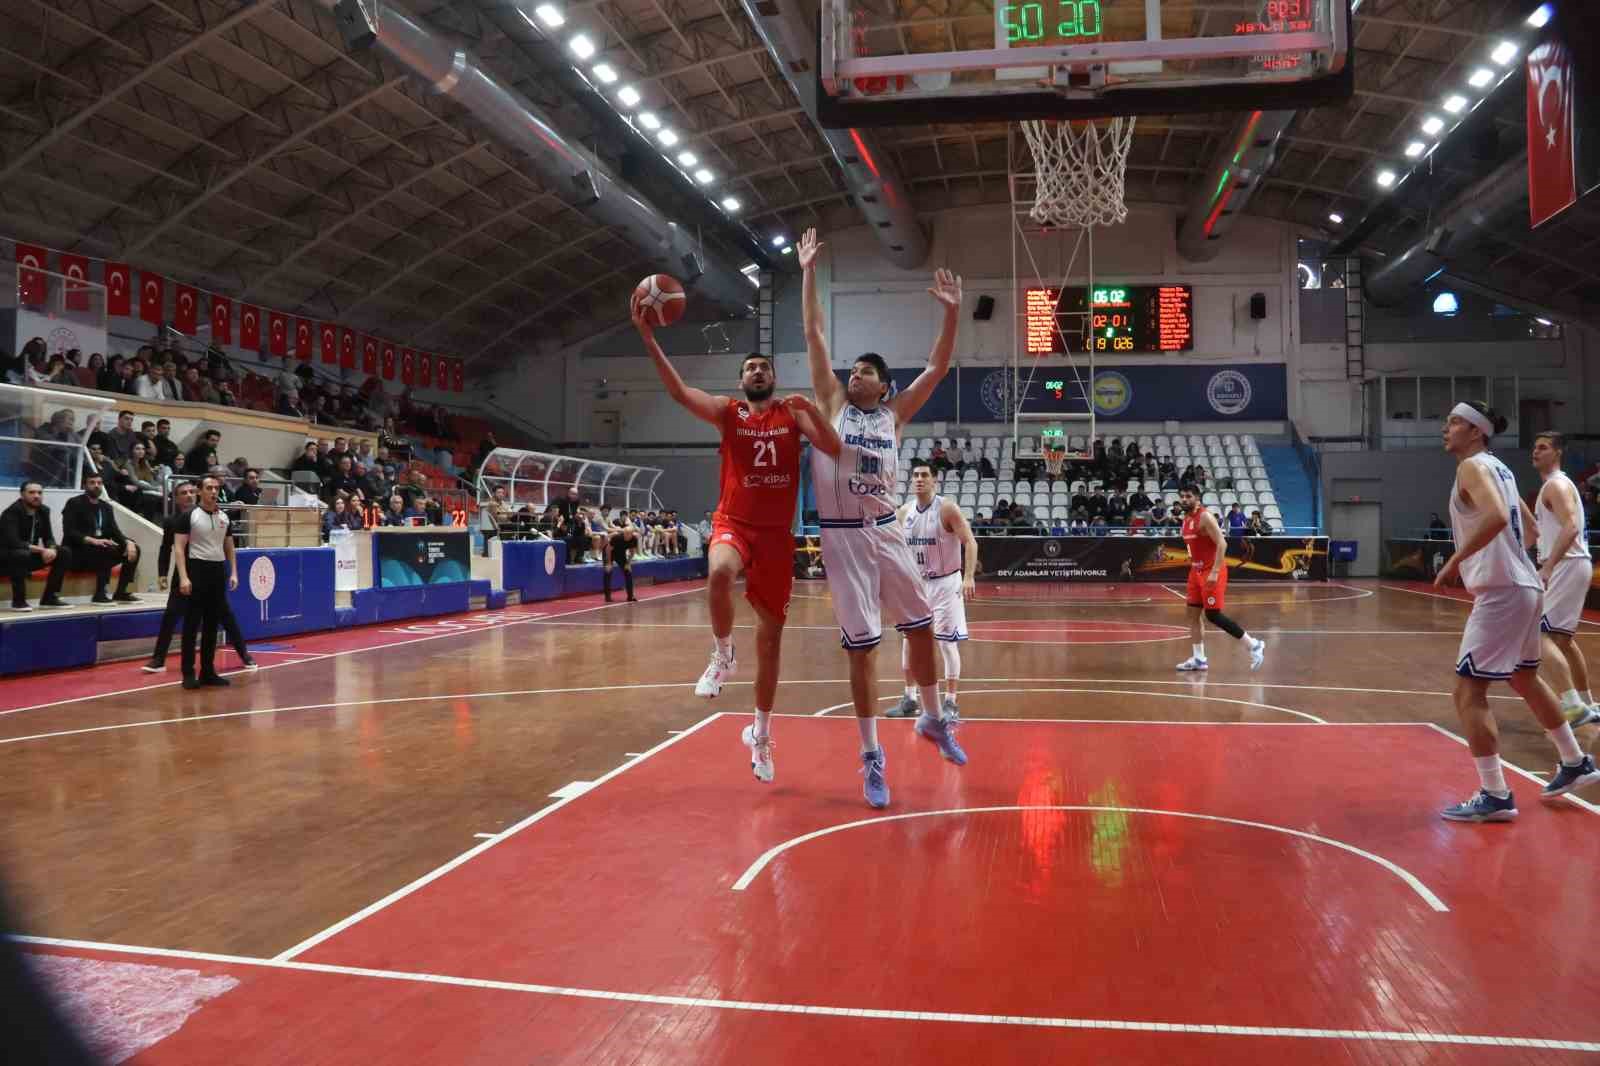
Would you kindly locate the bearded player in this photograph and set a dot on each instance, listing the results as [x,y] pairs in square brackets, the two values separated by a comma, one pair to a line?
[871,569]
[1208,582]
[752,528]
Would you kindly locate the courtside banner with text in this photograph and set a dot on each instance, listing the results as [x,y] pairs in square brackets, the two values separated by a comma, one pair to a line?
[1145,559]
[1206,392]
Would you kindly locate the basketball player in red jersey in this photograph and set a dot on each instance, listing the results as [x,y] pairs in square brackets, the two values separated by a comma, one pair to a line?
[1208,581]
[752,529]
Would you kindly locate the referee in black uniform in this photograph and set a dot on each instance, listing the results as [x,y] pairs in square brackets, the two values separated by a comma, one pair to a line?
[177,604]
[207,572]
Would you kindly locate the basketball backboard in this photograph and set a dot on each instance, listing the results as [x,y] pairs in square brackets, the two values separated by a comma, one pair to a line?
[891,62]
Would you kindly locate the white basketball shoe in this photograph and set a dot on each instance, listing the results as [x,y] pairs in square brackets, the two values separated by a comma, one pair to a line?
[718,673]
[760,754]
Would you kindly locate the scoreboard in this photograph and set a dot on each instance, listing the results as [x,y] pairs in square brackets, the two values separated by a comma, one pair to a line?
[1123,319]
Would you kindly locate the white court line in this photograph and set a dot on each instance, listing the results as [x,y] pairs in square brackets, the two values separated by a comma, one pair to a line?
[572,790]
[1457,599]
[1387,1036]
[485,836]
[1114,691]
[433,875]
[316,656]
[1401,872]
[1514,768]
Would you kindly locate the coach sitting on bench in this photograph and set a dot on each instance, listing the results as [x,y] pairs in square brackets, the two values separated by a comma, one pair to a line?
[28,543]
[89,529]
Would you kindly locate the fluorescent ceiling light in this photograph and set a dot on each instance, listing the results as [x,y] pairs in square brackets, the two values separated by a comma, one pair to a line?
[605,73]
[1481,77]
[549,15]
[1432,125]
[1386,177]
[648,120]
[1336,218]
[1414,149]
[779,241]
[1455,104]
[704,176]
[667,138]
[1504,53]
[581,46]
[1541,15]
[788,249]
[628,95]
[687,159]
[730,203]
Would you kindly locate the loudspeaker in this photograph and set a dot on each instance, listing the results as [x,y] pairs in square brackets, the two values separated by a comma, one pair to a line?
[1258,305]
[984,309]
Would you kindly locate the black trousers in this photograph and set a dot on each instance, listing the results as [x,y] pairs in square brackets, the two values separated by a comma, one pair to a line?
[19,564]
[177,606]
[101,560]
[207,601]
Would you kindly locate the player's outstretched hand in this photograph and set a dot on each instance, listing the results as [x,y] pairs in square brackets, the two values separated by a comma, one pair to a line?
[946,288]
[801,404]
[810,247]
[641,320]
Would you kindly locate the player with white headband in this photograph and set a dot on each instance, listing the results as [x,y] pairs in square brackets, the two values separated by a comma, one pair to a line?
[1501,640]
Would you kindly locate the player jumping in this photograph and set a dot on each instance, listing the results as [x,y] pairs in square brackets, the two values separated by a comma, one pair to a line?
[752,528]
[870,566]
[947,556]
[1208,582]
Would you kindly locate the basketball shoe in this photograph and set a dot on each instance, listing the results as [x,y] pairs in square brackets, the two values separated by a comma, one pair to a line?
[943,733]
[906,708]
[1484,807]
[760,754]
[1567,778]
[1258,653]
[718,673]
[876,786]
[1194,662]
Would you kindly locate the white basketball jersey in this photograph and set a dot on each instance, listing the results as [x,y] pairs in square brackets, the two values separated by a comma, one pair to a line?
[938,550]
[1550,525]
[864,482]
[1504,561]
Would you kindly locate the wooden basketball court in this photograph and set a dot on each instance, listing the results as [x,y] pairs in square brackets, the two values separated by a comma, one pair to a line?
[519,837]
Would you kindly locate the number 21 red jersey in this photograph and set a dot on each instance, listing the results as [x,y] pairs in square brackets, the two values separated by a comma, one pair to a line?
[760,465]
[1202,549]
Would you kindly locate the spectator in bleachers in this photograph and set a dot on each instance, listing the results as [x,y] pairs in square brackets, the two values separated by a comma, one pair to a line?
[28,544]
[390,438]
[343,480]
[109,378]
[493,514]
[1172,523]
[151,385]
[1138,524]
[1079,526]
[90,532]
[146,481]
[395,514]
[1258,526]
[1236,521]
[1117,510]
[118,442]
[308,461]
[165,448]
[202,457]
[985,467]
[1098,526]
[340,516]
[55,372]
[96,367]
[289,404]
[1099,504]
[1139,502]
[938,460]
[1437,530]
[1021,522]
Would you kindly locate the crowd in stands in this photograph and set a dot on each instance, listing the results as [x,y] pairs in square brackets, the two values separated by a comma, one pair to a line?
[1099,514]
[589,531]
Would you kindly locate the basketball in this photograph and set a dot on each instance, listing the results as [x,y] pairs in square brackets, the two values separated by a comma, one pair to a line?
[662,298]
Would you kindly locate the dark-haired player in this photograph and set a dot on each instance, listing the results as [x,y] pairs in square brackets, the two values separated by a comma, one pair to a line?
[752,528]
[1501,639]
[1208,582]
[870,567]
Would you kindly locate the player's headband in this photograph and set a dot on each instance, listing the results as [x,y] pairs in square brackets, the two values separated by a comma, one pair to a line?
[1475,416]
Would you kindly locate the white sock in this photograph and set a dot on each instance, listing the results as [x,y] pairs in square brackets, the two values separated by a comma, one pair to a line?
[911,691]
[1247,638]
[725,646]
[763,723]
[869,733]
[1491,775]
[930,700]
[1571,701]
[1199,651]
[1566,744]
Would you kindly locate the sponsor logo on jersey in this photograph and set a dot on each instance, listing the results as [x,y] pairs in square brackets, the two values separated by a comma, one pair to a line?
[922,542]
[877,444]
[862,488]
[744,412]
[767,481]
[775,431]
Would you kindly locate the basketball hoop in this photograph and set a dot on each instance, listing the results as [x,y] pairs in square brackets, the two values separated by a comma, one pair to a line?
[1081,168]
[1055,457]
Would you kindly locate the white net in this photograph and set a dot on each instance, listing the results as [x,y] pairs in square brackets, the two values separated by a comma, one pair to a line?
[1081,170]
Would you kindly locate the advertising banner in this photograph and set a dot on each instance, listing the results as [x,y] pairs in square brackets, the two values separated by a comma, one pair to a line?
[426,557]
[1145,559]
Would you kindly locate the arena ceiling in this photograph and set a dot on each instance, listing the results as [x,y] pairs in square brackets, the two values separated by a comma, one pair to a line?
[242,146]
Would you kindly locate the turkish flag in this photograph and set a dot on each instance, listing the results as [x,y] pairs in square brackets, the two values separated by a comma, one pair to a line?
[347,349]
[1552,159]
[302,339]
[424,370]
[76,268]
[458,374]
[221,320]
[388,361]
[277,333]
[31,283]
[408,366]
[330,342]
[119,291]
[152,296]
[249,328]
[369,355]
[186,309]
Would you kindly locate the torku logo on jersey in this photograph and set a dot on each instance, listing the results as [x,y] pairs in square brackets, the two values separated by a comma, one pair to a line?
[861,488]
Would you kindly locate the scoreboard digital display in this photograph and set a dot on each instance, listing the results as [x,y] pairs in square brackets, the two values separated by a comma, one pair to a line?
[1124,319]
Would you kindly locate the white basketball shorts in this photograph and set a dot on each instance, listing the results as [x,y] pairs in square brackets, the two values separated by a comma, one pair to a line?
[1563,598]
[1502,634]
[949,609]
[871,573]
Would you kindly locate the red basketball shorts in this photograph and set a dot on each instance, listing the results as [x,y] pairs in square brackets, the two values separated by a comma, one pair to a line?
[1213,599]
[768,557]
